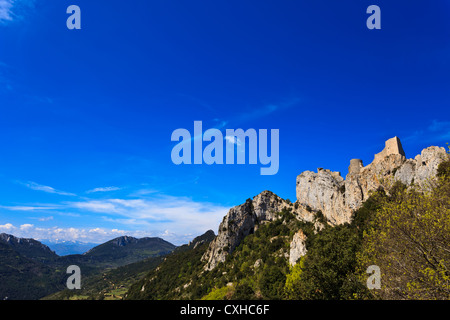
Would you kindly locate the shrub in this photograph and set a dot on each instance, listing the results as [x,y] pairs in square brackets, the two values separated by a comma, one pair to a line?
[443,170]
[409,239]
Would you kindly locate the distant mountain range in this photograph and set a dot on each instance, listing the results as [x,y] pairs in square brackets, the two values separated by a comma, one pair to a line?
[270,248]
[29,269]
[64,248]
[114,284]
[28,248]
[266,248]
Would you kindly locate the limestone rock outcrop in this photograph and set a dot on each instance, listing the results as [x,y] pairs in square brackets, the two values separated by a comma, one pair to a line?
[297,247]
[420,169]
[337,198]
[326,191]
[322,191]
[243,220]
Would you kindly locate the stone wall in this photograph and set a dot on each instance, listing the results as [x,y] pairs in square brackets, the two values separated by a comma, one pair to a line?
[338,198]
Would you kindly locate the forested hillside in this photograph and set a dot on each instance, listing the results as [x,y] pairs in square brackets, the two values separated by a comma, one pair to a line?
[404,230]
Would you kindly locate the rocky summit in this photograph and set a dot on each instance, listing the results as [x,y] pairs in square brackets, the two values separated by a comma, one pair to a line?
[244,219]
[337,198]
[327,192]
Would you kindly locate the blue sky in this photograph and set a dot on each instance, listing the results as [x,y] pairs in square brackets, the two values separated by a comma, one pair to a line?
[86,115]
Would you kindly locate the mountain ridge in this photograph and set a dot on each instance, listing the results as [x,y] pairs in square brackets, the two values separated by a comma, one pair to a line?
[42,271]
[266,238]
[113,284]
[64,248]
[265,244]
[326,194]
[28,247]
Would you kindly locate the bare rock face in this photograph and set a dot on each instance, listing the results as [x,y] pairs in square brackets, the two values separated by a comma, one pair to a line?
[338,198]
[243,219]
[324,191]
[297,247]
[235,226]
[266,205]
[422,168]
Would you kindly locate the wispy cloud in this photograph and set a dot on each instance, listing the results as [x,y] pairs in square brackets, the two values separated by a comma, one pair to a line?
[6,13]
[182,217]
[440,128]
[95,206]
[45,218]
[143,192]
[233,140]
[161,213]
[92,235]
[13,9]
[436,132]
[161,208]
[265,110]
[237,120]
[30,208]
[103,189]
[200,102]
[176,219]
[39,187]
[219,124]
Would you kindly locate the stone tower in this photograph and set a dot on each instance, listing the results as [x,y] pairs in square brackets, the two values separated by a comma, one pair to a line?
[392,146]
[355,166]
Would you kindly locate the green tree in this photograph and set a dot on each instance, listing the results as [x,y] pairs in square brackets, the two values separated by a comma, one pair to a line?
[243,291]
[272,282]
[409,239]
[291,288]
[327,271]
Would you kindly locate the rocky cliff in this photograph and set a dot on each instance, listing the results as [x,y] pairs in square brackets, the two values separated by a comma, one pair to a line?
[337,198]
[244,219]
[324,191]
[297,247]
[29,248]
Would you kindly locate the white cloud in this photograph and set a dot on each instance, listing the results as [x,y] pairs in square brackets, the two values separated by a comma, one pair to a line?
[104,189]
[54,234]
[175,219]
[30,208]
[182,216]
[95,206]
[436,132]
[89,235]
[26,226]
[6,228]
[440,129]
[40,187]
[11,10]
[45,218]
[6,10]
[233,139]
[143,192]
